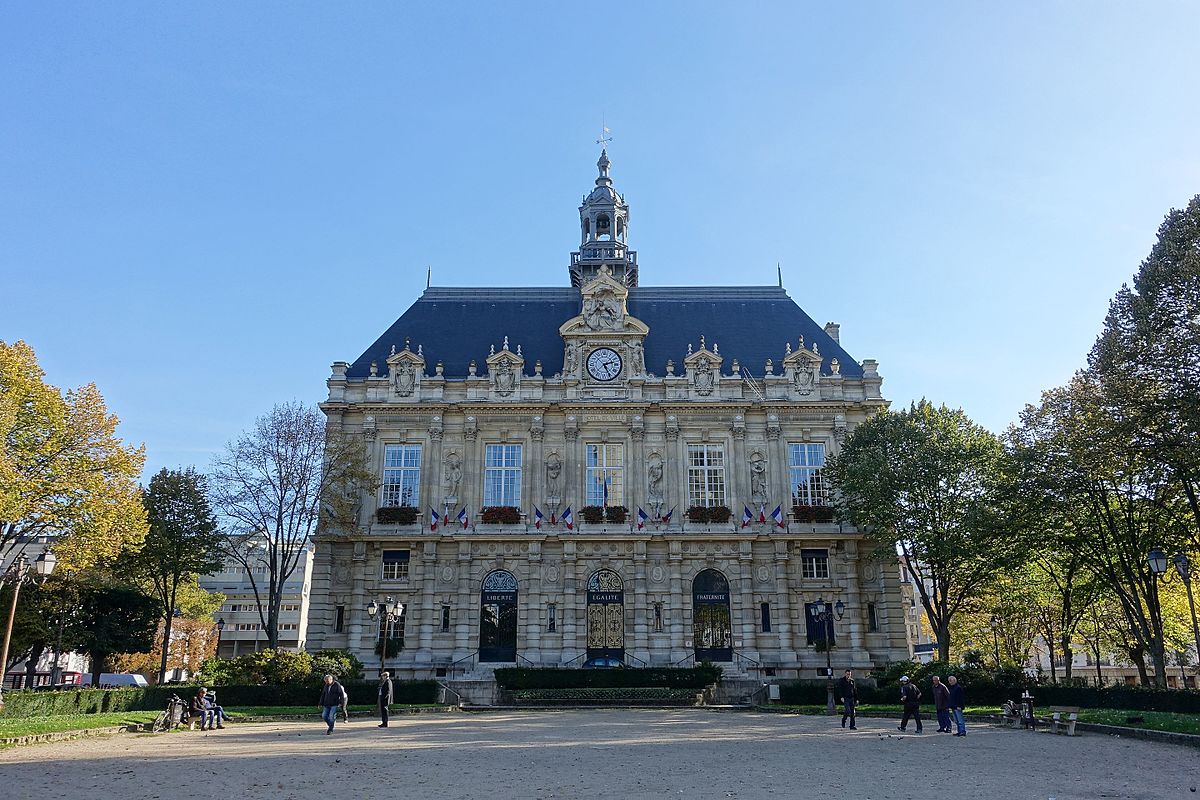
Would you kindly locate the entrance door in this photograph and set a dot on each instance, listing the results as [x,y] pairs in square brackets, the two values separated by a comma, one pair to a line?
[711,627]
[498,617]
[606,616]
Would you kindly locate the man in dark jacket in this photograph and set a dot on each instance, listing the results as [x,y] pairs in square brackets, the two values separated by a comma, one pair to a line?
[199,709]
[910,698]
[849,696]
[332,696]
[958,702]
[385,697]
[941,704]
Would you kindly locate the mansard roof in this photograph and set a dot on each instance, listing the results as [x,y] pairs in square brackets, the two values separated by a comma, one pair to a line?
[458,325]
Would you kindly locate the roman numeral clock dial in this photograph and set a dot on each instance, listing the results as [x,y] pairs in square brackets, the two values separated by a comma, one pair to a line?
[604,364]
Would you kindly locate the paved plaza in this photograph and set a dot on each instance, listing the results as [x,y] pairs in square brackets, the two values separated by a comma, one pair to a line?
[588,754]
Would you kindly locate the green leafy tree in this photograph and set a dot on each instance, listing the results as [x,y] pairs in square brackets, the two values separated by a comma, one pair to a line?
[117,619]
[181,543]
[925,482]
[1147,359]
[274,486]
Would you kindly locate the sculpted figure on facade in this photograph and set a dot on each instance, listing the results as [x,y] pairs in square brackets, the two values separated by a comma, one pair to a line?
[571,359]
[805,382]
[506,379]
[453,474]
[704,377]
[601,311]
[758,477]
[553,475]
[406,379]
[654,483]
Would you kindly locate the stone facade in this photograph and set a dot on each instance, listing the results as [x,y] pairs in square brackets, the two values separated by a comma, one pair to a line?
[497,429]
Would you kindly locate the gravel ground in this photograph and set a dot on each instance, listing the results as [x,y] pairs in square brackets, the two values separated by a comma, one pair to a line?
[588,754]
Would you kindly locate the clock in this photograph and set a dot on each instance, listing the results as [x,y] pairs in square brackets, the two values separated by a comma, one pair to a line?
[604,364]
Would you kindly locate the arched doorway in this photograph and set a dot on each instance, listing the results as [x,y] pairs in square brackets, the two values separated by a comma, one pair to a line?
[498,617]
[711,628]
[606,615]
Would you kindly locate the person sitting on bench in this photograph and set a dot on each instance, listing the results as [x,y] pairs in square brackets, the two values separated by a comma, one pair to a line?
[199,710]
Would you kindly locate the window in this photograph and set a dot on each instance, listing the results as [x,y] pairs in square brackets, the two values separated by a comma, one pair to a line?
[339,619]
[551,618]
[445,619]
[805,462]
[706,475]
[605,462]
[401,474]
[287,626]
[872,619]
[766,617]
[502,475]
[395,565]
[814,564]
[289,607]
[658,618]
[247,626]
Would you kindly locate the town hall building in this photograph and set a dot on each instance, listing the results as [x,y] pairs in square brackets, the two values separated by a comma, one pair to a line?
[565,475]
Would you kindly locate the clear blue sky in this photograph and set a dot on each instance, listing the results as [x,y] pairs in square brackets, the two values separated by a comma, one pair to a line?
[204,205]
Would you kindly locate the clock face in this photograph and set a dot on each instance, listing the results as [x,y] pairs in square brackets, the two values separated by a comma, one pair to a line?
[604,364]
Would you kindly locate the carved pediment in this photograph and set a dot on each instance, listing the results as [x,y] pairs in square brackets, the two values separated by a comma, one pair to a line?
[703,368]
[505,369]
[604,309]
[802,368]
[406,369]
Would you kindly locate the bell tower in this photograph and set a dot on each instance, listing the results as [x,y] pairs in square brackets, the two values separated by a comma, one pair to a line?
[603,229]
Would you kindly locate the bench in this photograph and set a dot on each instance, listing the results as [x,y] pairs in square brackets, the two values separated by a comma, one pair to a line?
[1065,717]
[1012,714]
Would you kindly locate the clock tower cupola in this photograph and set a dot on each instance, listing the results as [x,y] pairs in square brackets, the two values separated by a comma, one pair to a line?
[603,233]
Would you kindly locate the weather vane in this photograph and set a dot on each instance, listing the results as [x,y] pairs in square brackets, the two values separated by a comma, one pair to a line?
[605,136]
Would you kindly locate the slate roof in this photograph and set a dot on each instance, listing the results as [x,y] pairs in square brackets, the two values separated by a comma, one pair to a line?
[458,325]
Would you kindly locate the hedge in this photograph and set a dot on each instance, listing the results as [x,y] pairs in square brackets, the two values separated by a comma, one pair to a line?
[607,693]
[153,698]
[516,678]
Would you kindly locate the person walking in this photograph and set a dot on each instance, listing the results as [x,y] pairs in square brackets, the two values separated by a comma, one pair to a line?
[848,692]
[344,708]
[941,704]
[910,698]
[385,697]
[958,703]
[332,697]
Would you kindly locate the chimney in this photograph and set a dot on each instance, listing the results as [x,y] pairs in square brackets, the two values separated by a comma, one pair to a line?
[833,329]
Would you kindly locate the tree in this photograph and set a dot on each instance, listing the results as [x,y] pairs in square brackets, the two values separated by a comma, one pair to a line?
[273,486]
[182,542]
[924,482]
[45,617]
[1111,504]
[63,470]
[118,619]
[193,637]
[1147,359]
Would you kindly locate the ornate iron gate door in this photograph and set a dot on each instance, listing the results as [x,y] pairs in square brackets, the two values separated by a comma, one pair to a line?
[606,616]
[498,617]
[712,628]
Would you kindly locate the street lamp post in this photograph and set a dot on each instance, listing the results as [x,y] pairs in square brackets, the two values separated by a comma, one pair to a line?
[824,613]
[220,630]
[392,612]
[43,565]
[1184,569]
[995,623]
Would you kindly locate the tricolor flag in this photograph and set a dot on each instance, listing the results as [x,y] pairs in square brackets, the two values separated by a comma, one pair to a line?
[641,518]
[569,519]
[605,503]
[537,518]
[463,518]
[434,519]
[777,515]
[747,517]
[667,517]
[762,513]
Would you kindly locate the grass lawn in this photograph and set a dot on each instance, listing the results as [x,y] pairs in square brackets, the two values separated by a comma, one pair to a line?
[1154,720]
[306,711]
[26,726]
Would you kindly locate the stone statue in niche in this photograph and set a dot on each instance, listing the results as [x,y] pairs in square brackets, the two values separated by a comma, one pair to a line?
[637,359]
[406,379]
[453,474]
[704,377]
[506,378]
[654,484]
[571,362]
[758,477]
[804,380]
[553,475]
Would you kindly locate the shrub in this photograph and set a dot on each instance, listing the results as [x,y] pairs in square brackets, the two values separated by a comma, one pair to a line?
[500,515]
[396,515]
[616,514]
[592,515]
[338,662]
[607,693]
[518,678]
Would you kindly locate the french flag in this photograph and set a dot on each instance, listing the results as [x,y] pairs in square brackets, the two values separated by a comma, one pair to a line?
[537,518]
[463,518]
[641,518]
[434,519]
[762,514]
[777,515]
[747,517]
[569,519]
[667,517]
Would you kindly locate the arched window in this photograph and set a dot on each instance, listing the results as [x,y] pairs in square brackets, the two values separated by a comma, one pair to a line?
[498,617]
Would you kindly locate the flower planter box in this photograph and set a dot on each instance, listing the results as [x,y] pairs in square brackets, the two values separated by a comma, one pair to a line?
[500,515]
[812,513]
[396,515]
